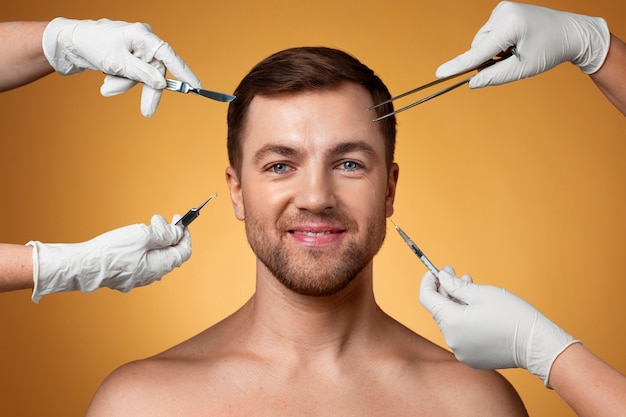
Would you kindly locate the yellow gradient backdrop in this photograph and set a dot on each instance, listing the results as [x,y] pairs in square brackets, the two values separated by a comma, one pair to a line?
[521,186]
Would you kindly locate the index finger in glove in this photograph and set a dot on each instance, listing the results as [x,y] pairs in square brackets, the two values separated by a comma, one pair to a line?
[461,290]
[501,73]
[429,295]
[482,51]
[176,65]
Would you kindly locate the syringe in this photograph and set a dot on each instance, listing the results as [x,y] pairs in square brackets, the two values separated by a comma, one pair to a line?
[417,251]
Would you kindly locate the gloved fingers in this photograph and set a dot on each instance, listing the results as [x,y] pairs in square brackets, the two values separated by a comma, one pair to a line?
[184,245]
[145,72]
[460,291]
[169,257]
[510,69]
[176,66]
[443,309]
[467,278]
[150,99]
[162,234]
[149,48]
[114,85]
[139,63]
[483,50]
[450,270]
[429,296]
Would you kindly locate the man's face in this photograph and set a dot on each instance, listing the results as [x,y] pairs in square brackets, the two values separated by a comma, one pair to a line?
[314,189]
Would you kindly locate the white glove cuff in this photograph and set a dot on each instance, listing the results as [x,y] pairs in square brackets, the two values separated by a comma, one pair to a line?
[55,43]
[599,43]
[35,296]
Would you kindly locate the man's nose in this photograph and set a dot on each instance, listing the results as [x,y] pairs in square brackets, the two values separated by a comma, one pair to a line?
[316,192]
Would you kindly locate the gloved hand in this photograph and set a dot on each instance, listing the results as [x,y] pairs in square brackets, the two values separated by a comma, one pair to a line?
[122,259]
[490,328]
[543,37]
[120,49]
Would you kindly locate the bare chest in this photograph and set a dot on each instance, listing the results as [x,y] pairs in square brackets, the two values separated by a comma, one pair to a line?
[307,396]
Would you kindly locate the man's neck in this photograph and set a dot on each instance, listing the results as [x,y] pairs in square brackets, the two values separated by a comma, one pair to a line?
[313,325]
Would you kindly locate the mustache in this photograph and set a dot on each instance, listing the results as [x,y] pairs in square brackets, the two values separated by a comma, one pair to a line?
[335,218]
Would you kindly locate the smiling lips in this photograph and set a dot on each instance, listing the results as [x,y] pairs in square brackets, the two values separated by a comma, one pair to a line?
[317,236]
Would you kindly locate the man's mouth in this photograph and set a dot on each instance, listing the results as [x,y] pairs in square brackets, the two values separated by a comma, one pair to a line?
[311,234]
[317,236]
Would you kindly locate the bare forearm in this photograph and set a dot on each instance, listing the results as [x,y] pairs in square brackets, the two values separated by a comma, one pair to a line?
[611,78]
[588,385]
[21,54]
[16,267]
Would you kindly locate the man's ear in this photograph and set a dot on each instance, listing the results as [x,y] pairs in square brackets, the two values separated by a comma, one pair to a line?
[392,183]
[236,195]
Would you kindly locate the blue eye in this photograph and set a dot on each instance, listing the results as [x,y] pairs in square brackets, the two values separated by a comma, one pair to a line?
[349,165]
[279,168]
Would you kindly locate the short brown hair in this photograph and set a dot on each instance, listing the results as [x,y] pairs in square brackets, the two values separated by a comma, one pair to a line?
[303,69]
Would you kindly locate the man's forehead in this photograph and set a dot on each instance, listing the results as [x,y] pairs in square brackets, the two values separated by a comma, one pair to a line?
[356,92]
[343,110]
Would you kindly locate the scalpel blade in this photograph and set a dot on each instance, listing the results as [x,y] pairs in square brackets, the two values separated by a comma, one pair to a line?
[214,95]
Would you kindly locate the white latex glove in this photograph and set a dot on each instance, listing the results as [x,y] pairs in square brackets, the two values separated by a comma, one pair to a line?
[544,38]
[490,328]
[121,49]
[122,259]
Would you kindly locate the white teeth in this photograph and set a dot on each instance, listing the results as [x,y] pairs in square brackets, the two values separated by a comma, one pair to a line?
[311,234]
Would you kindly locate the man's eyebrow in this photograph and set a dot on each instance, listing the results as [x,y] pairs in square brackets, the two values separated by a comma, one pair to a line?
[353,146]
[337,150]
[274,150]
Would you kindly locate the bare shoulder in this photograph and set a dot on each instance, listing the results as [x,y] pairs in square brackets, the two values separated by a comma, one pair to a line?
[162,385]
[453,388]
[487,393]
[124,393]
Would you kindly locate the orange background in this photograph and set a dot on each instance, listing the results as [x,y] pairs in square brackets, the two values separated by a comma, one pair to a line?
[522,186]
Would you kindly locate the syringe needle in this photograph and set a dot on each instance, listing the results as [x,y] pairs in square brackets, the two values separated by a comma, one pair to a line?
[416,250]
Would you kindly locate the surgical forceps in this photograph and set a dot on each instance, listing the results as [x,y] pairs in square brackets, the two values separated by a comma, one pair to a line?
[417,250]
[506,54]
[193,214]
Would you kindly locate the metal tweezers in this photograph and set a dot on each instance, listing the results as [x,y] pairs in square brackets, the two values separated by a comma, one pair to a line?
[193,213]
[506,54]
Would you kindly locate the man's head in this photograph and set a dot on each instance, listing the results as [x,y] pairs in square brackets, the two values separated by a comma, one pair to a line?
[311,173]
[302,69]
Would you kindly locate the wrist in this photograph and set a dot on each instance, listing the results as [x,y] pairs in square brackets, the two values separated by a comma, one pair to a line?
[547,342]
[556,358]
